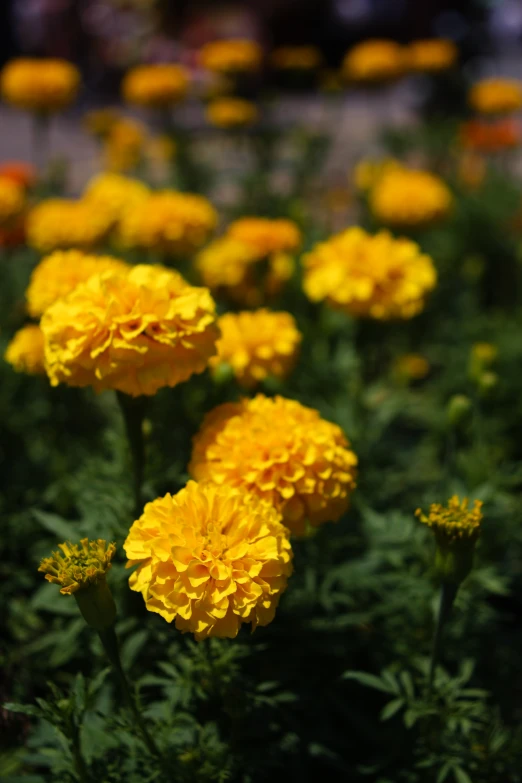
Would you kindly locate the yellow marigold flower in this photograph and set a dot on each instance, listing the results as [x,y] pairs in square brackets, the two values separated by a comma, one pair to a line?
[411,366]
[368,172]
[282,452]
[432,55]
[231,56]
[99,122]
[39,85]
[59,273]
[371,276]
[296,58]
[375,61]
[257,345]
[496,96]
[266,235]
[134,331]
[169,222]
[455,521]
[124,145]
[231,113]
[155,85]
[78,565]
[115,194]
[161,149]
[210,558]
[12,201]
[25,352]
[62,223]
[404,197]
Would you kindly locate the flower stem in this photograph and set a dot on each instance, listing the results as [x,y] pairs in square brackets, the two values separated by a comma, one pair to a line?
[79,762]
[133,411]
[448,591]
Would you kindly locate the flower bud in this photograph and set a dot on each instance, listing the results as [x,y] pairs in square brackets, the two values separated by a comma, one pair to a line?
[482,357]
[458,410]
[487,382]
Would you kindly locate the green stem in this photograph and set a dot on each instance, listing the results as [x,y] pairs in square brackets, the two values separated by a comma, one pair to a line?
[79,762]
[448,591]
[133,412]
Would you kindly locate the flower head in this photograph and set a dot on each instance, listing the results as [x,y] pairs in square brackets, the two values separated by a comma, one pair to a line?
[60,223]
[490,136]
[59,273]
[257,345]
[371,276]
[405,197]
[12,201]
[124,144]
[169,222]
[18,171]
[369,171]
[115,193]
[99,122]
[231,113]
[375,61]
[496,96]
[47,85]
[210,558]
[231,56]
[296,58]
[25,352]
[266,235]
[155,85]
[78,565]
[455,521]
[280,451]
[432,55]
[134,331]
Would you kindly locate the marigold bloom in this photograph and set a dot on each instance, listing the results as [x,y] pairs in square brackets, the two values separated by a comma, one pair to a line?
[59,273]
[405,197]
[99,122]
[115,194]
[369,171]
[169,222]
[210,558]
[134,332]
[156,85]
[281,451]
[374,61]
[62,223]
[231,113]
[78,565]
[296,58]
[25,352]
[490,136]
[124,145]
[12,201]
[454,522]
[18,171]
[266,235]
[411,366]
[257,345]
[44,86]
[432,55]
[371,276]
[231,56]
[496,96]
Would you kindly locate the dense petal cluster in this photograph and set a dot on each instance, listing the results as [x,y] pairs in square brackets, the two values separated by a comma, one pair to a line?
[281,451]
[169,222]
[78,565]
[496,96]
[455,521]
[25,352]
[231,113]
[490,136]
[115,194]
[18,171]
[61,223]
[235,55]
[257,345]
[266,235]
[409,198]
[59,273]
[155,85]
[210,558]
[134,331]
[296,58]
[39,85]
[375,60]
[432,55]
[371,276]
[124,144]
[12,201]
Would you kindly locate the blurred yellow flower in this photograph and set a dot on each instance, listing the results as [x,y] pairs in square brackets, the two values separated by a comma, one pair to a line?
[235,55]
[99,122]
[266,235]
[156,85]
[375,60]
[432,55]
[231,113]
[370,170]
[210,558]
[257,345]
[281,451]
[62,223]
[370,276]
[496,96]
[160,149]
[115,194]
[44,86]
[408,198]
[78,565]
[124,145]
[25,352]
[296,58]
[59,273]
[133,331]
[411,367]
[12,201]
[169,222]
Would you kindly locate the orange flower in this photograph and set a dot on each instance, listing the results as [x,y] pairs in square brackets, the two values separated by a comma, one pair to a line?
[490,136]
[18,171]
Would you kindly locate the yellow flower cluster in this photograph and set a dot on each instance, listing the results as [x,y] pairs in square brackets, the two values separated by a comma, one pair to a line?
[375,60]
[61,223]
[257,345]
[25,352]
[369,171]
[408,198]
[115,194]
[432,55]
[78,565]
[280,451]
[266,235]
[134,331]
[231,113]
[371,276]
[496,96]
[39,85]
[169,222]
[296,58]
[155,85]
[235,55]
[59,273]
[12,201]
[454,522]
[210,558]
[124,144]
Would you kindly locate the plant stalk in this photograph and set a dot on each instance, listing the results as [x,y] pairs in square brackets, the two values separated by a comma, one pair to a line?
[448,591]
[133,411]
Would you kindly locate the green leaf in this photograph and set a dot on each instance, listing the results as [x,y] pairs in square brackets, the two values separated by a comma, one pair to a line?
[49,599]
[368,680]
[132,647]
[63,530]
[391,708]
[461,776]
[24,709]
